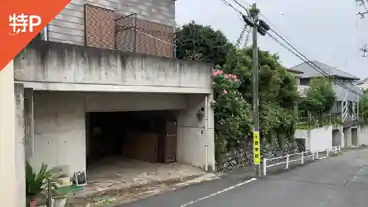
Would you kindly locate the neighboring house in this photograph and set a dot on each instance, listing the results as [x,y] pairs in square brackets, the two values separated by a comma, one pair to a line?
[346,106]
[362,84]
[295,73]
[346,94]
[96,88]
[298,74]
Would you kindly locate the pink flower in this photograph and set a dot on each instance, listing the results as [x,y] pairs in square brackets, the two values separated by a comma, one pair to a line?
[234,77]
[217,72]
[224,91]
[226,76]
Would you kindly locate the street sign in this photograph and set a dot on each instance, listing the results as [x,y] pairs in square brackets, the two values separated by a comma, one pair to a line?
[256,148]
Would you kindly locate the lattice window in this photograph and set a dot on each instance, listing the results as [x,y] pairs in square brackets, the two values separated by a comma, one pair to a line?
[99,27]
[105,29]
[141,36]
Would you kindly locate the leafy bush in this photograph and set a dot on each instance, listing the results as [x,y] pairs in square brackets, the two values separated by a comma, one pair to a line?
[232,112]
[37,183]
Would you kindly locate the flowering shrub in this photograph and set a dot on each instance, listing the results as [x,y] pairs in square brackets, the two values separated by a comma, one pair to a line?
[232,112]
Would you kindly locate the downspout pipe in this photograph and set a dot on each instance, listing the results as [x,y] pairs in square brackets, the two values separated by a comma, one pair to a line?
[206,131]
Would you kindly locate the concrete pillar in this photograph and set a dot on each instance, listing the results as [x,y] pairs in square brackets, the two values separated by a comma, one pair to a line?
[8,179]
[29,122]
[211,132]
[19,143]
[347,136]
[342,139]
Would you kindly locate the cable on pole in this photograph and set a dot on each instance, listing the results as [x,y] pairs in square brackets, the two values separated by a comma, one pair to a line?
[264,30]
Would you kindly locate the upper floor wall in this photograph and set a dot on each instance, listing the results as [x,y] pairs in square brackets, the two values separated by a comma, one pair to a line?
[127,25]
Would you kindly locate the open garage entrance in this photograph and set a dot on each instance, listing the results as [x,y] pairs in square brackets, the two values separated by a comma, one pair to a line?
[354,136]
[148,136]
[132,148]
[336,137]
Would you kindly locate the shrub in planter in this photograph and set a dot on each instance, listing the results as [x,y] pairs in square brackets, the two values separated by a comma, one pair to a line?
[58,199]
[37,183]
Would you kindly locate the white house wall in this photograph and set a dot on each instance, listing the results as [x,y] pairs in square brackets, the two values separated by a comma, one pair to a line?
[9,195]
[60,135]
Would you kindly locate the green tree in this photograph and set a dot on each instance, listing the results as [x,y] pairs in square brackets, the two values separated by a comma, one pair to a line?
[278,91]
[233,99]
[198,42]
[320,96]
[363,105]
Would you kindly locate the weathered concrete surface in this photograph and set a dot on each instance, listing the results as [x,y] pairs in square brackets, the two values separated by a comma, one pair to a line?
[336,182]
[118,179]
[60,134]
[65,67]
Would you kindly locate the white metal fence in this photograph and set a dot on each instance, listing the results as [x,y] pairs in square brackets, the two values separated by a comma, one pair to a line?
[297,157]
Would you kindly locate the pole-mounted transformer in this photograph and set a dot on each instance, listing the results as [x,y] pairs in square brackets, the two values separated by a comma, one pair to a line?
[262,26]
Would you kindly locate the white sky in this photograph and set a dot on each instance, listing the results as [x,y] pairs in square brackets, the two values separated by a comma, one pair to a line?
[325,30]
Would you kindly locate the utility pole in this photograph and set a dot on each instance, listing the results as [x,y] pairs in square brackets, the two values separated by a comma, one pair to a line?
[259,26]
[255,84]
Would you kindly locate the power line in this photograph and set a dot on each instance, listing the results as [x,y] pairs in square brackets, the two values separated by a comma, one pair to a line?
[242,6]
[299,54]
[230,5]
[313,65]
[302,56]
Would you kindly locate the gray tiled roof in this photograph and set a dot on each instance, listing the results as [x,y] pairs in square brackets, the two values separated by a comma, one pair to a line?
[342,92]
[310,72]
[361,81]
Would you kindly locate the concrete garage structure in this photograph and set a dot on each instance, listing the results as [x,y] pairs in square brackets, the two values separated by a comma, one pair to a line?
[60,86]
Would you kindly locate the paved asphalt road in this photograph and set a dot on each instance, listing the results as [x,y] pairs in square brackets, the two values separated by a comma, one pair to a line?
[340,181]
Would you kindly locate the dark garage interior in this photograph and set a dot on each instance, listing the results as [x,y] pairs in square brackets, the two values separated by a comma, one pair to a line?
[149,136]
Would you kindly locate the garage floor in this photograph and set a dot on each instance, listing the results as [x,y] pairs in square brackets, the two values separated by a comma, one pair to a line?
[116,173]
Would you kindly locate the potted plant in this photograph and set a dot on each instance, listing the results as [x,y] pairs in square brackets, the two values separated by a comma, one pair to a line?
[37,183]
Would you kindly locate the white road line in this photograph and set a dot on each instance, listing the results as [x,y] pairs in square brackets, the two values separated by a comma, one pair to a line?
[218,192]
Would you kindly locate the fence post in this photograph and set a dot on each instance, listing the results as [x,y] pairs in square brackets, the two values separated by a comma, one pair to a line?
[302,158]
[327,152]
[206,158]
[317,153]
[312,155]
[264,166]
[287,161]
[339,148]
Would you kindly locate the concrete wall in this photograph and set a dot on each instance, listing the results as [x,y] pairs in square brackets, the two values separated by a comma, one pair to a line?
[193,137]
[8,177]
[68,25]
[320,139]
[59,130]
[60,137]
[63,67]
